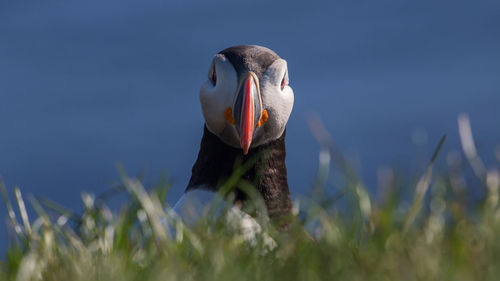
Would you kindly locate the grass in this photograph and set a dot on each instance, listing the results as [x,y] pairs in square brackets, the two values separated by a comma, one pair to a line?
[439,234]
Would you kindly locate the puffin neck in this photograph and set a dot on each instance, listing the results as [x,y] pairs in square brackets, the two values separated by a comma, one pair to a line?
[217,162]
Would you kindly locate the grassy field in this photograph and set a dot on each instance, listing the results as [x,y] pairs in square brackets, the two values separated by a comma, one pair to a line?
[437,233]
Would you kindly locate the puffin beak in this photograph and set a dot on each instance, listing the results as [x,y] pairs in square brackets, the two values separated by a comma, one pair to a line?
[247,109]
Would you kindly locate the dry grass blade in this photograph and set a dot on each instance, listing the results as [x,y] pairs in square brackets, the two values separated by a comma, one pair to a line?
[442,244]
[151,206]
[469,147]
[10,210]
[22,211]
[422,187]
[353,181]
[59,209]
[326,141]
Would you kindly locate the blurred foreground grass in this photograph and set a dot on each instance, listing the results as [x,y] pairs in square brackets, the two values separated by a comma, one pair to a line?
[438,234]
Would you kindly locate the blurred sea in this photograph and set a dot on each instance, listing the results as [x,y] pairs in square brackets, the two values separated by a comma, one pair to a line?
[87,84]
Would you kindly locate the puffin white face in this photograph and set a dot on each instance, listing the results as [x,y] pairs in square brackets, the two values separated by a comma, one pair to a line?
[246,100]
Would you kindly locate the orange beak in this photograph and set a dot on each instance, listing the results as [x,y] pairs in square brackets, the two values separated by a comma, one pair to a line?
[247,107]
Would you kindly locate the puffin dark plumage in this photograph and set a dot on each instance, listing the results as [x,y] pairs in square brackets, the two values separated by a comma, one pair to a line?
[246,102]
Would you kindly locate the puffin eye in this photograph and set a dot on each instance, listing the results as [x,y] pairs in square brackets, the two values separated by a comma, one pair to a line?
[283,81]
[213,77]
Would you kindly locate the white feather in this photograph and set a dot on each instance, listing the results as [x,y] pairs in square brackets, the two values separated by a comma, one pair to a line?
[215,99]
[277,102]
[195,204]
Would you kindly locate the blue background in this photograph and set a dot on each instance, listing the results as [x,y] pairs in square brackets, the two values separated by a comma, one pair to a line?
[87,84]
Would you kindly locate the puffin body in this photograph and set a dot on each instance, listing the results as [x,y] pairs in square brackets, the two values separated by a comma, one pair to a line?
[246,102]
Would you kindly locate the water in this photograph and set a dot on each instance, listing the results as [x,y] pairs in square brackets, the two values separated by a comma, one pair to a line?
[87,84]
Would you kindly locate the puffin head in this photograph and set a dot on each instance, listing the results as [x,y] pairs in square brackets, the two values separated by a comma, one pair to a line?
[246,100]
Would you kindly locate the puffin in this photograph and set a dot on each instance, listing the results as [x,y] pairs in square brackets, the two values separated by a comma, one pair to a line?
[246,103]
